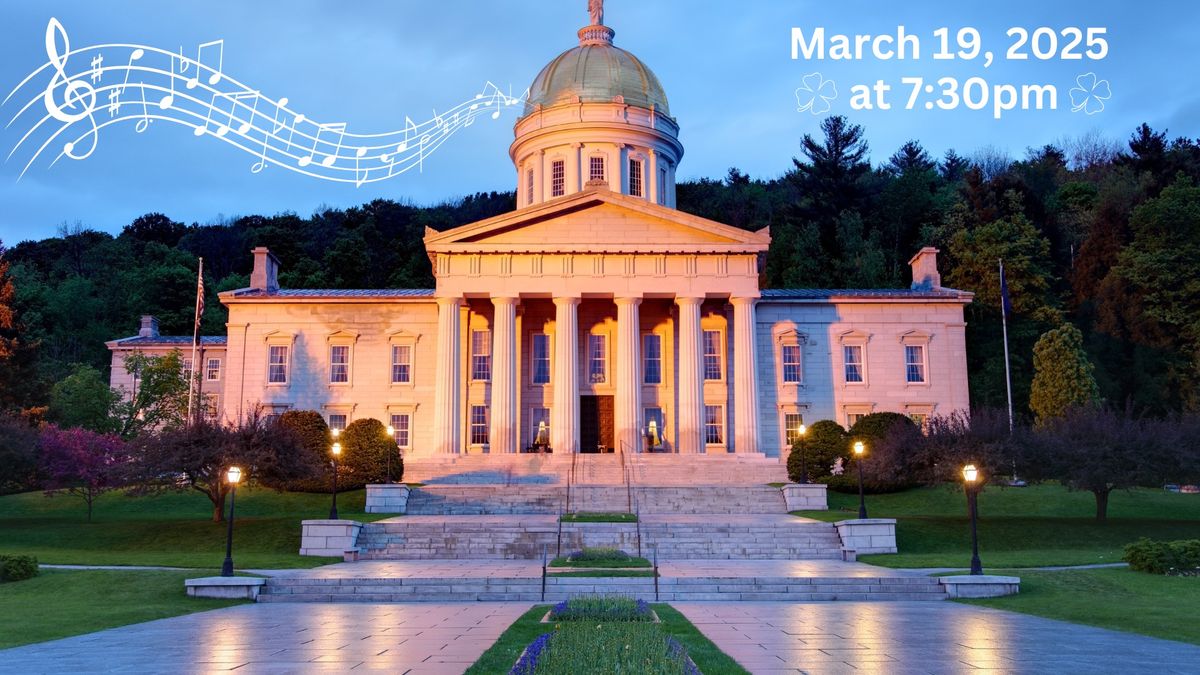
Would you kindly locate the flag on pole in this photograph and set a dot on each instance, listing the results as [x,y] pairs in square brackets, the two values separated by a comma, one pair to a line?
[192,377]
[1005,303]
[199,302]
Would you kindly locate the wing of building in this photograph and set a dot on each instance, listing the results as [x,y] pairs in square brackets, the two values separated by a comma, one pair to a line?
[596,316]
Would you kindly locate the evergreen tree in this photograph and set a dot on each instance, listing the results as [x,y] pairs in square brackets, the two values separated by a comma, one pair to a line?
[1063,376]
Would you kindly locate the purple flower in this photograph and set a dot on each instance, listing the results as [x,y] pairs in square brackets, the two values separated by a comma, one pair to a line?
[528,661]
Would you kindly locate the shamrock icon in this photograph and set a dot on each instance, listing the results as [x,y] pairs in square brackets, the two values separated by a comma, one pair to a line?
[815,94]
[1090,94]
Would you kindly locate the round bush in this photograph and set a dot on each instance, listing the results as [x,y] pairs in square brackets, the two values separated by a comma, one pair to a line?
[366,448]
[310,466]
[18,567]
[891,441]
[825,441]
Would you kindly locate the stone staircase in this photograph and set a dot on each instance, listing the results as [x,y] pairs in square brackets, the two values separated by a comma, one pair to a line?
[595,469]
[300,588]
[552,499]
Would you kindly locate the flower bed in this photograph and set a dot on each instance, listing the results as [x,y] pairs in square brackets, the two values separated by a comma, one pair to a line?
[600,558]
[601,608]
[587,648]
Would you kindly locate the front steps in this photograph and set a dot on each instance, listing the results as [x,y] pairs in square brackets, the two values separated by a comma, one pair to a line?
[525,537]
[459,500]
[529,589]
[595,469]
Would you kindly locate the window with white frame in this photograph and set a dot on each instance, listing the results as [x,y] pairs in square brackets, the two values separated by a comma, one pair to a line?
[651,359]
[914,364]
[852,418]
[596,168]
[212,370]
[655,426]
[402,428]
[337,422]
[401,364]
[539,426]
[792,422]
[187,370]
[479,425]
[540,359]
[712,354]
[635,178]
[481,355]
[793,369]
[714,425]
[339,364]
[558,178]
[277,364]
[597,359]
[852,356]
[529,186]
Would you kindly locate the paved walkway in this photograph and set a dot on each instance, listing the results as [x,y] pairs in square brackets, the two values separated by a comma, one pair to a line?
[421,638]
[903,638]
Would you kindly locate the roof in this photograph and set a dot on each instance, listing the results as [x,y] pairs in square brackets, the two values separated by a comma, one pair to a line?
[335,293]
[865,294]
[596,73]
[168,340]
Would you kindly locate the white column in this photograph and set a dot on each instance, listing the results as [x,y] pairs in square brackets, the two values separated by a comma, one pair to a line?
[690,387]
[503,436]
[629,383]
[650,186]
[745,373]
[564,416]
[446,402]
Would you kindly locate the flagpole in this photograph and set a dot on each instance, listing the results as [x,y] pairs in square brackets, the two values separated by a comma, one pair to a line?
[195,339]
[1004,327]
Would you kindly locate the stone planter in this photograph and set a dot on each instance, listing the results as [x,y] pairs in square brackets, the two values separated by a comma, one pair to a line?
[872,535]
[328,538]
[805,496]
[224,587]
[980,586]
[387,498]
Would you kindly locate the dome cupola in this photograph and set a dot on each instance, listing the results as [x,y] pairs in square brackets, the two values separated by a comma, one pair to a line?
[596,117]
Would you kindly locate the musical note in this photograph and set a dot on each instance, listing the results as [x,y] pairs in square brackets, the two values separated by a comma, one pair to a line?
[359,178]
[336,127]
[279,107]
[76,93]
[97,60]
[143,123]
[216,76]
[114,96]
[169,99]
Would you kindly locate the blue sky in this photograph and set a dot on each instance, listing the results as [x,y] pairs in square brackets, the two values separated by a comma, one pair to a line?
[726,66]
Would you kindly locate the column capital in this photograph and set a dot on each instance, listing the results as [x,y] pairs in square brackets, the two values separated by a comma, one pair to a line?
[628,300]
[566,300]
[688,300]
[498,300]
[739,300]
[450,301]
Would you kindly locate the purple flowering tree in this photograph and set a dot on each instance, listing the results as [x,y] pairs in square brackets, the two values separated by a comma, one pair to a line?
[82,463]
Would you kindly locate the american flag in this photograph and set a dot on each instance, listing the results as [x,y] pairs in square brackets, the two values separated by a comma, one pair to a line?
[199,302]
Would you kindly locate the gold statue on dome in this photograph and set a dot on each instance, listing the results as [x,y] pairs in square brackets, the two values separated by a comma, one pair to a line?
[596,10]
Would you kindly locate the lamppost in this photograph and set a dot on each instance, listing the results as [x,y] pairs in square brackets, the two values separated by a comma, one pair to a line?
[803,454]
[971,485]
[391,432]
[336,450]
[233,475]
[859,451]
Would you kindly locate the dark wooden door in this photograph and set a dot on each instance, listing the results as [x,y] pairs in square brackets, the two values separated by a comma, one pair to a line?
[596,422]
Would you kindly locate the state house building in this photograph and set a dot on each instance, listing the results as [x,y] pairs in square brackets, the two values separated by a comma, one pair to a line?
[595,317]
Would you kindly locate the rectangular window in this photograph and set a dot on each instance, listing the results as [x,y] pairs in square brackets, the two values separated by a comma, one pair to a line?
[402,426]
[339,364]
[541,359]
[210,407]
[662,186]
[652,359]
[635,178]
[529,186]
[914,363]
[596,168]
[597,359]
[712,354]
[277,365]
[479,425]
[481,355]
[919,419]
[558,178]
[337,422]
[791,425]
[401,364]
[792,372]
[853,418]
[212,370]
[853,355]
[714,425]
[655,427]
[539,432]
[187,370]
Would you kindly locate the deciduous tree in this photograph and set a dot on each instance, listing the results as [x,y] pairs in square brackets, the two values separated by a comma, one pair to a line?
[82,463]
[1063,377]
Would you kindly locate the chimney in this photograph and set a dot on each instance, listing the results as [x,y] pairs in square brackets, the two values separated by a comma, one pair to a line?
[925,275]
[149,327]
[265,276]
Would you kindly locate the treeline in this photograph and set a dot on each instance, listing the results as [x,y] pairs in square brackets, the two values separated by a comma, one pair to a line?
[1101,235]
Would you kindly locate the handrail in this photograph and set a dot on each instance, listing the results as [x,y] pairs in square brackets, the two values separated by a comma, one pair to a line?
[627,473]
[570,479]
[625,476]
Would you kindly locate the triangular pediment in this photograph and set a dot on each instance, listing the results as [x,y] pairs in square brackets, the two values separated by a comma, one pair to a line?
[597,220]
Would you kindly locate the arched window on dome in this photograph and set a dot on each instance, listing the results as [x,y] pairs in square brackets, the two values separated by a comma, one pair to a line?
[558,178]
[529,186]
[596,168]
[662,185]
[636,188]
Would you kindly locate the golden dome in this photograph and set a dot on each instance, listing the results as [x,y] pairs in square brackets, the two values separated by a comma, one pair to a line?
[596,72]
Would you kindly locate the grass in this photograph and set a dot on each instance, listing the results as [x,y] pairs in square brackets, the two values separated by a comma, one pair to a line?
[634,561]
[603,573]
[598,517]
[62,603]
[173,529]
[1037,526]
[776,485]
[1120,599]
[501,656]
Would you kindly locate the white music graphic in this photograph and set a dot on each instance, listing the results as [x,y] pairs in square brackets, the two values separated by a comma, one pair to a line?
[117,83]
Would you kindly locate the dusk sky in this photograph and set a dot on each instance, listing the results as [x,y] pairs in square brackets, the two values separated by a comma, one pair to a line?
[726,67]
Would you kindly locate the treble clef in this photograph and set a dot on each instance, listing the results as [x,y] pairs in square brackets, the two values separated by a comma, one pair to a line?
[77,94]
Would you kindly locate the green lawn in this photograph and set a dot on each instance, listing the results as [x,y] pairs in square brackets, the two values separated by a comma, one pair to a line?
[173,529]
[598,517]
[501,656]
[1119,599]
[1019,527]
[61,603]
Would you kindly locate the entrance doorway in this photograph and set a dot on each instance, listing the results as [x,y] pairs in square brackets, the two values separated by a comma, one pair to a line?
[596,422]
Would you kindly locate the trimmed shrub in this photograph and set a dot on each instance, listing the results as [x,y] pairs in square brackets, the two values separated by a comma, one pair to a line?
[1176,558]
[366,448]
[601,608]
[825,441]
[18,567]
[892,441]
[312,440]
[599,555]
